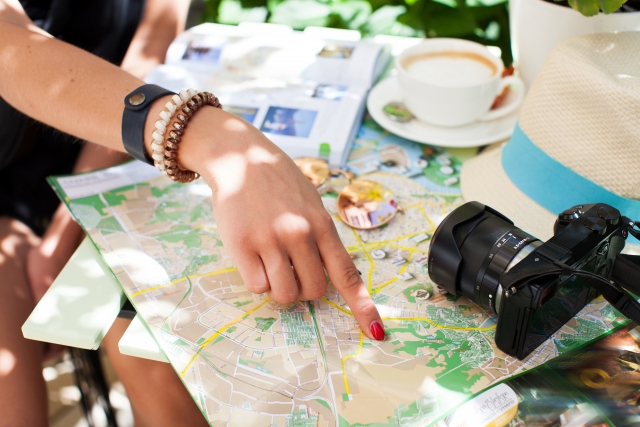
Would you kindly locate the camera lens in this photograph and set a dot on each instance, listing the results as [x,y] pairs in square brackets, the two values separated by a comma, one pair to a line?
[472,248]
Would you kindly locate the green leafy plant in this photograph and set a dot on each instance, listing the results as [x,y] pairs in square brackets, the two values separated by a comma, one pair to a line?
[593,7]
[482,21]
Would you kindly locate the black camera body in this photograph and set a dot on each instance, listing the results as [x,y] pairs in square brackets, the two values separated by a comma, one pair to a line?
[475,250]
[582,239]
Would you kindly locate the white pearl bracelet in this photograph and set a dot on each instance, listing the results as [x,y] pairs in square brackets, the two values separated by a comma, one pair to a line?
[171,108]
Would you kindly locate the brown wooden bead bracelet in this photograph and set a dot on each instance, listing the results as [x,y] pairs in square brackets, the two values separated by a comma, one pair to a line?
[174,137]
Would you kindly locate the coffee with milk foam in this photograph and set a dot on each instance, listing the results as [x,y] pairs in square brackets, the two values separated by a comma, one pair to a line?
[450,68]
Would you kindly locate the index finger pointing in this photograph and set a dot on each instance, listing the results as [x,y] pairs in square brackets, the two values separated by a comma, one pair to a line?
[349,284]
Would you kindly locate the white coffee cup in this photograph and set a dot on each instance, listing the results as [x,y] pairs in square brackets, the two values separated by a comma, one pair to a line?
[454,82]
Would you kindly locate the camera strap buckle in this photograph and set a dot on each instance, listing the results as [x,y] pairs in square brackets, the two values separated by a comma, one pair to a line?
[625,276]
[626,272]
[634,229]
[565,269]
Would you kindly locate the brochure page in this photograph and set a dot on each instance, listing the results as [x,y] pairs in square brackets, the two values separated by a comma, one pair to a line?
[304,93]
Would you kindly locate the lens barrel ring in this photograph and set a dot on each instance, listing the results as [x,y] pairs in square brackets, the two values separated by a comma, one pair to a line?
[472,248]
[499,259]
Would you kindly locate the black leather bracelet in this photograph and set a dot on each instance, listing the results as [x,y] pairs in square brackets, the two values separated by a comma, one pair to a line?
[134,117]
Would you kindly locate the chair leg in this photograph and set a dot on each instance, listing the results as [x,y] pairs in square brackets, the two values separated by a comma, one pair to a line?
[92,384]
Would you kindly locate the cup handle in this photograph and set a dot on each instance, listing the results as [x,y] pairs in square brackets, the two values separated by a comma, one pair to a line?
[518,86]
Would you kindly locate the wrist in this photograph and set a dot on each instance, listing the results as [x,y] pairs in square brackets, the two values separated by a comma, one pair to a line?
[169,129]
[211,137]
[137,105]
[211,141]
[150,123]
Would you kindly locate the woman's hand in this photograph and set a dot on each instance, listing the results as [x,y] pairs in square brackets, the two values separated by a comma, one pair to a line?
[271,217]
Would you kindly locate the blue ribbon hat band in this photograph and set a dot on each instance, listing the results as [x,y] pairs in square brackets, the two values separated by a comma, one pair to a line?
[553,185]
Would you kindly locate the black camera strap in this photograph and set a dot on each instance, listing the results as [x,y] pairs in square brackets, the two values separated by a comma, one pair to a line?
[625,275]
[626,272]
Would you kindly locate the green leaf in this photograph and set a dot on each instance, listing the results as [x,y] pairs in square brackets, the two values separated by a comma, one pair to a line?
[593,7]
[210,12]
[353,13]
[252,3]
[586,7]
[300,13]
[439,20]
[450,3]
[385,21]
[493,23]
[377,4]
[610,6]
[272,4]
[232,12]
[483,3]
[482,21]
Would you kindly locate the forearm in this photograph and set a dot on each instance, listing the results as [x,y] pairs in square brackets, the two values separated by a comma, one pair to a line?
[63,86]
[163,20]
[80,94]
[94,157]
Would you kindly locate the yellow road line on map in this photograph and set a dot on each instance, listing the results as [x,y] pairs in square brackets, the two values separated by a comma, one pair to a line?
[406,319]
[426,216]
[173,282]
[206,227]
[155,288]
[402,270]
[333,304]
[381,136]
[430,203]
[414,205]
[406,264]
[373,264]
[417,185]
[387,283]
[217,334]
[370,246]
[376,245]
[424,319]
[213,273]
[411,319]
[407,248]
[344,363]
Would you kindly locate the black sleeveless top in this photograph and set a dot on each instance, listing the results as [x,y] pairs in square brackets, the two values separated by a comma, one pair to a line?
[102,27]
[30,151]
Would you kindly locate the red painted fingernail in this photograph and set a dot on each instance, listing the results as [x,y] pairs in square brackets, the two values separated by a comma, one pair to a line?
[377,331]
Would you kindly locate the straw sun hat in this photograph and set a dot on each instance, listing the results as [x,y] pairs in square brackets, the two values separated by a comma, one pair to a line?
[577,141]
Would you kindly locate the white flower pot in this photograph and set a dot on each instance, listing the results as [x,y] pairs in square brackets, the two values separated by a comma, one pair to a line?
[537,26]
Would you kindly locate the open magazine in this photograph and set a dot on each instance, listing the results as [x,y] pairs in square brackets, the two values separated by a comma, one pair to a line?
[305,92]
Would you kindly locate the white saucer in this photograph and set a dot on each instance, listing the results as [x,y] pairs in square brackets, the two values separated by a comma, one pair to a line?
[473,135]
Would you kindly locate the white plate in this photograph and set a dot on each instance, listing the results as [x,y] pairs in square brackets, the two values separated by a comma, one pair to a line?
[473,135]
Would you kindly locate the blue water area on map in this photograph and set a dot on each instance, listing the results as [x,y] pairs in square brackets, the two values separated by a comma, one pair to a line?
[378,150]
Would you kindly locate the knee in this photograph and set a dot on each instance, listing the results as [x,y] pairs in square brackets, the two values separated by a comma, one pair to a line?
[158,397]
[15,238]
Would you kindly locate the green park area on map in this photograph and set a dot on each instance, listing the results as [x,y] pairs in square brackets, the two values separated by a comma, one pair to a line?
[247,360]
